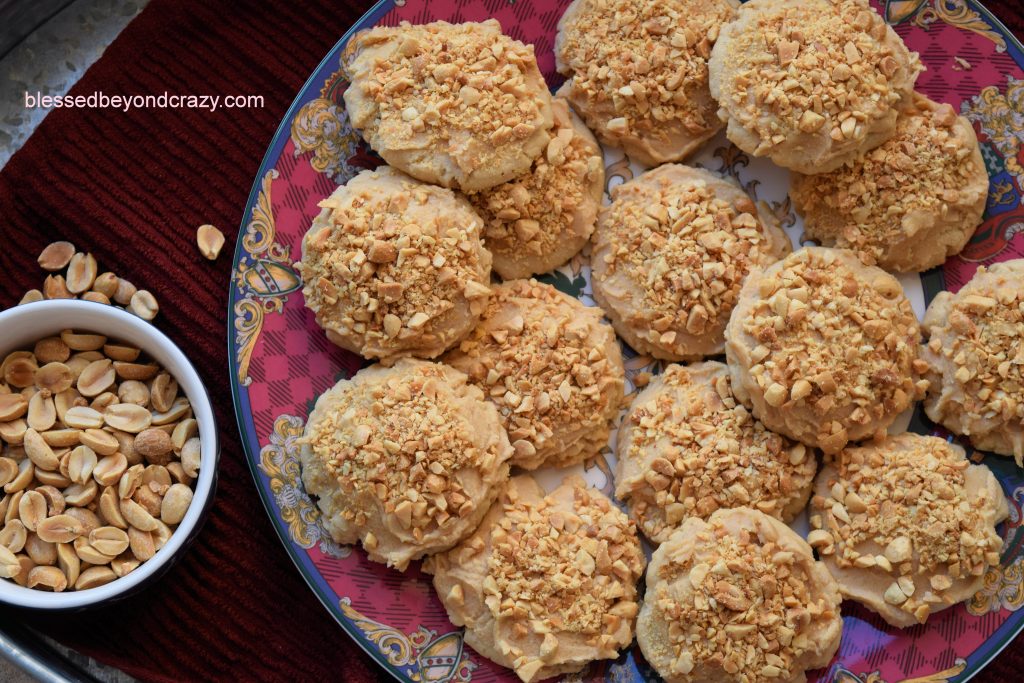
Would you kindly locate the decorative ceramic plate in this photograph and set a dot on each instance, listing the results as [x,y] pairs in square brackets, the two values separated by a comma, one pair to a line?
[281,361]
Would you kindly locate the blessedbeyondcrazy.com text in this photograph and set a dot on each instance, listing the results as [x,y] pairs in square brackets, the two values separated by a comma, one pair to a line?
[125,103]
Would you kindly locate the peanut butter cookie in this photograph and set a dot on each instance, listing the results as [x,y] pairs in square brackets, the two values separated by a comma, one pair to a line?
[910,203]
[670,255]
[738,597]
[688,447]
[824,349]
[638,72]
[458,105]
[975,354]
[405,460]
[538,222]
[811,84]
[907,526]
[394,267]
[546,584]
[553,368]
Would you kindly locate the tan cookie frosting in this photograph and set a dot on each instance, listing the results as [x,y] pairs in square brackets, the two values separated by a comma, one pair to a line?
[405,460]
[546,584]
[907,526]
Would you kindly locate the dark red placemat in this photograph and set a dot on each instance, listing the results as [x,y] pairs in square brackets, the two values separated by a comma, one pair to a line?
[132,187]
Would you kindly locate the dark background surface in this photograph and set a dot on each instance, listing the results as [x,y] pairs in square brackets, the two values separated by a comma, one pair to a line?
[132,188]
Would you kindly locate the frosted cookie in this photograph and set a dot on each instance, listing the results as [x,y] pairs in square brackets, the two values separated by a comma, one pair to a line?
[405,460]
[638,72]
[539,221]
[688,447]
[394,267]
[975,354]
[910,203]
[907,526]
[670,255]
[552,367]
[738,597]
[824,349]
[458,105]
[546,584]
[811,84]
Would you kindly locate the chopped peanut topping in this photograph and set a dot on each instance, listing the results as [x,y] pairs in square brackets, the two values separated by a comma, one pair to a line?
[977,360]
[402,442]
[534,215]
[908,508]
[684,240]
[552,368]
[832,337]
[565,569]
[692,449]
[464,92]
[741,599]
[813,66]
[394,266]
[643,65]
[924,172]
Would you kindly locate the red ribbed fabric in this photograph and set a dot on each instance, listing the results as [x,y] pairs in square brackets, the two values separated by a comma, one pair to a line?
[131,188]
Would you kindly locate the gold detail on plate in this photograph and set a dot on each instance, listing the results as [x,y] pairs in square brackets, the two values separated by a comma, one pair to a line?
[1003,587]
[264,276]
[846,676]
[999,115]
[322,127]
[279,460]
[422,655]
[957,13]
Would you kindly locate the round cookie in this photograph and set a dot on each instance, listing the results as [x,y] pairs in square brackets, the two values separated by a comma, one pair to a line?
[688,448]
[975,354]
[552,367]
[910,203]
[670,255]
[907,526]
[405,460]
[458,105]
[538,222]
[811,84]
[824,349]
[394,267]
[638,72]
[546,584]
[738,597]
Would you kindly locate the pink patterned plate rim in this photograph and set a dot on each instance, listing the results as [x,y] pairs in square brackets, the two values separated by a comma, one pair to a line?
[280,361]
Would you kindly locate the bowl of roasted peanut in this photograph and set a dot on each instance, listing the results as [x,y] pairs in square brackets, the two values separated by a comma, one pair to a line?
[108,454]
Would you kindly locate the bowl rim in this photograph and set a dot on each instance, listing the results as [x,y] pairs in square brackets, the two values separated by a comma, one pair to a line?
[193,387]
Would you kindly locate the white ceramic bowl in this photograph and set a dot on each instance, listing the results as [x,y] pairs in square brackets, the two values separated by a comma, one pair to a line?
[22,326]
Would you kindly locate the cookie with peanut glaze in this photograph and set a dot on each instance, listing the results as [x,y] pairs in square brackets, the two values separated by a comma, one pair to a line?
[824,349]
[811,84]
[547,583]
[907,526]
[975,355]
[405,460]
[394,267]
[910,203]
[457,105]
[537,222]
[687,448]
[670,255]
[738,597]
[551,366]
[638,72]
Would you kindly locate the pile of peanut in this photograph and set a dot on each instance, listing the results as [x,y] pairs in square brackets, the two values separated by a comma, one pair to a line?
[82,280]
[99,455]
